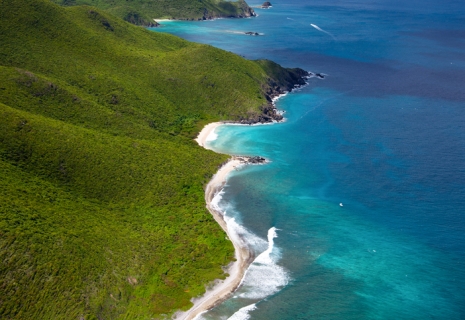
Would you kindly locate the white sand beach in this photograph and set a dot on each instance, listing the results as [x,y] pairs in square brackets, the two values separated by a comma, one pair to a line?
[222,289]
[209,129]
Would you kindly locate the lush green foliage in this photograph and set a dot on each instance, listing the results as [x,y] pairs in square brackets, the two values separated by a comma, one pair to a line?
[102,211]
[142,12]
[285,78]
[85,215]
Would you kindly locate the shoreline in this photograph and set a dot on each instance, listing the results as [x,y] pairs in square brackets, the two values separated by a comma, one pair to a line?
[202,138]
[222,289]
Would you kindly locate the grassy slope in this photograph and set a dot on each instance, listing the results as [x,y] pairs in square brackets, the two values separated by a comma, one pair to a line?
[102,210]
[83,212]
[142,12]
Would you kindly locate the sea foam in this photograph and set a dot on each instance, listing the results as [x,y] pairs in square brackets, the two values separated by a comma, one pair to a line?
[212,136]
[265,277]
[243,313]
[237,232]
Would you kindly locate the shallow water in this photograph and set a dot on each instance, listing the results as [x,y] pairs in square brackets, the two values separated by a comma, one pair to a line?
[383,134]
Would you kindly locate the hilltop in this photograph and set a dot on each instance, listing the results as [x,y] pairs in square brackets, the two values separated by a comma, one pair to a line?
[143,12]
[102,209]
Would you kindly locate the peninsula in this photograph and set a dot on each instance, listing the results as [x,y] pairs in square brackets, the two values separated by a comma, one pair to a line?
[145,13]
[102,189]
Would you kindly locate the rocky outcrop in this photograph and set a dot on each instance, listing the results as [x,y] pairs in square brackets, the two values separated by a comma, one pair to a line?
[227,9]
[282,80]
[266,5]
[269,114]
[247,11]
[250,160]
[295,78]
[149,24]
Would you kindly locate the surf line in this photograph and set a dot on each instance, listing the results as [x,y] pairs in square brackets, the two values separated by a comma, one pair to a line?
[223,290]
[319,29]
[244,254]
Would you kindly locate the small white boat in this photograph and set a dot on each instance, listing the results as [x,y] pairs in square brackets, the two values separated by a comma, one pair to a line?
[341,205]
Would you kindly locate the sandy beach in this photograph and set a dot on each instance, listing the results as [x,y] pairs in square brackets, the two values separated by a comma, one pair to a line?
[222,289]
[202,138]
[163,20]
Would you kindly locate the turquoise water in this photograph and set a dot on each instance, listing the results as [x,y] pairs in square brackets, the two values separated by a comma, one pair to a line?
[383,134]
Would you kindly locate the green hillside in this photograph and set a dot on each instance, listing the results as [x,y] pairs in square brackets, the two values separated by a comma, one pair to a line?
[143,12]
[102,211]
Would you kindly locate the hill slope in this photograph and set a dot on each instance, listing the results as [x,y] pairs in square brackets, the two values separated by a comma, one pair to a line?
[102,211]
[143,12]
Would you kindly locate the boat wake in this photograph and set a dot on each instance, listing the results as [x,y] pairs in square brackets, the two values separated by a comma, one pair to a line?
[319,29]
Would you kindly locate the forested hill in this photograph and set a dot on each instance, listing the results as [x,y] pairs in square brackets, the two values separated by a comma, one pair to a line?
[143,12]
[102,211]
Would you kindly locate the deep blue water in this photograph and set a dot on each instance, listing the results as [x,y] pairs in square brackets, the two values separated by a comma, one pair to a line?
[383,134]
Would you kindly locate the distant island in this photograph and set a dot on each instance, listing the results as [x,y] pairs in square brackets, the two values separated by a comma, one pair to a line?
[145,13]
[266,5]
[102,188]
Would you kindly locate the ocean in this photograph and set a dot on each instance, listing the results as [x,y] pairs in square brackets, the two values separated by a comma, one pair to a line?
[361,212]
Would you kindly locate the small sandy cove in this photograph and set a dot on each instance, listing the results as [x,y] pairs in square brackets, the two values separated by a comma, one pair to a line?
[222,289]
[203,135]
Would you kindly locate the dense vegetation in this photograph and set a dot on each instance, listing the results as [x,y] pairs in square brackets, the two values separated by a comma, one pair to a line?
[143,12]
[102,211]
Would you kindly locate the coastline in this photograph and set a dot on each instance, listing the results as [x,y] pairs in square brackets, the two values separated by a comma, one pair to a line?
[221,289]
[202,138]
